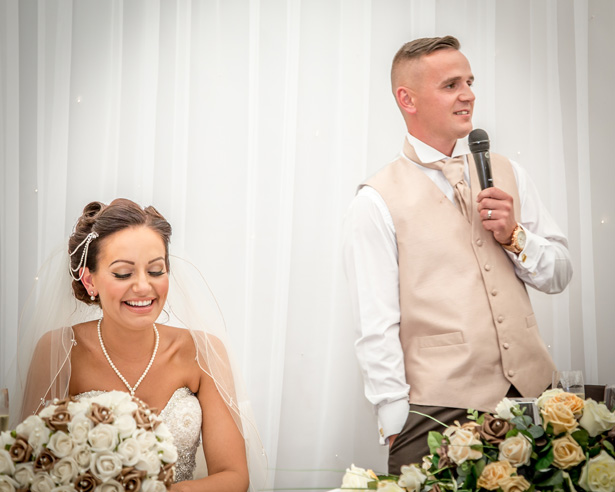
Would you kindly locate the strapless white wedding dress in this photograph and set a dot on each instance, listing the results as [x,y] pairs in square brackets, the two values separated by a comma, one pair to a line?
[182,415]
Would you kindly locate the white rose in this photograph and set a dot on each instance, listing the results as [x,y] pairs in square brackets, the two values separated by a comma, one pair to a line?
[6,439]
[167,452]
[517,450]
[82,456]
[163,433]
[503,410]
[28,425]
[110,486]
[460,449]
[61,444]
[149,485]
[125,407]
[6,463]
[146,439]
[64,488]
[129,451]
[389,486]
[356,478]
[103,437]
[79,427]
[7,484]
[547,395]
[24,474]
[64,471]
[42,483]
[39,437]
[106,465]
[596,418]
[598,474]
[78,408]
[46,412]
[412,478]
[126,426]
[150,462]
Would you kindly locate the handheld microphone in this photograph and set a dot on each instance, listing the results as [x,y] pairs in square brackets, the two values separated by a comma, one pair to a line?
[479,146]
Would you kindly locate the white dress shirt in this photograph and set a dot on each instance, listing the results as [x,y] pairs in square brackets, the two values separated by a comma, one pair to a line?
[370,256]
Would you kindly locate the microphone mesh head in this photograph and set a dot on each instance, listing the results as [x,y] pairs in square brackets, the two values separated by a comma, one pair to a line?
[478,140]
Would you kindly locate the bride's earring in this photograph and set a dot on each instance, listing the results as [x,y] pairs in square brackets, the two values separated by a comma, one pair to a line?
[92,296]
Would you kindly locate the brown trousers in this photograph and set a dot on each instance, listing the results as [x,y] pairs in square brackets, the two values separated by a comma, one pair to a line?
[411,444]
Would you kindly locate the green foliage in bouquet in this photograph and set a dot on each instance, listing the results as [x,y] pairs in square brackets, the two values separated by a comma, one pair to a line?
[570,449]
[109,442]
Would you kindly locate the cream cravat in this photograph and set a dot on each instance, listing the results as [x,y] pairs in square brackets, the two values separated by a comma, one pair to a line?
[452,168]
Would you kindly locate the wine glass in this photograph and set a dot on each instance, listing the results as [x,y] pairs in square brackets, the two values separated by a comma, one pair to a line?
[570,382]
[4,409]
[609,396]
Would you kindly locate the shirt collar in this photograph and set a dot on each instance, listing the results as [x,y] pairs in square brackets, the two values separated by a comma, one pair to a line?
[428,154]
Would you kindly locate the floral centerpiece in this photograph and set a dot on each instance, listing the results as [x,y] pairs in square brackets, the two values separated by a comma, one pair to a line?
[570,449]
[110,442]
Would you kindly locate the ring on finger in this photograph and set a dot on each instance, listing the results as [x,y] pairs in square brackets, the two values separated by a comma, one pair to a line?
[489,212]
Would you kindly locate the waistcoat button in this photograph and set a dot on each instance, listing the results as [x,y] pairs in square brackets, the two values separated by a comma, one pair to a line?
[511,373]
[494,292]
[487,267]
[500,319]
[505,345]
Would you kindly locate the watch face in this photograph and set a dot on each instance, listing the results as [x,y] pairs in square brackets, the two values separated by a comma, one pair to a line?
[521,238]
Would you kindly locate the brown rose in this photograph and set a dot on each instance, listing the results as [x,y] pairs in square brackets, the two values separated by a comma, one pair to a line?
[567,452]
[45,461]
[101,415]
[494,473]
[86,482]
[167,474]
[560,416]
[145,418]
[515,483]
[60,418]
[444,460]
[494,429]
[20,451]
[131,478]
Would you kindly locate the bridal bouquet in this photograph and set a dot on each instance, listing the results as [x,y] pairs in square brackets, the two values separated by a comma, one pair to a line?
[569,449]
[110,442]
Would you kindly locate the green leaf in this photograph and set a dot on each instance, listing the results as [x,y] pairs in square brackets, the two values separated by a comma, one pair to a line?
[554,480]
[545,462]
[609,447]
[536,431]
[582,437]
[434,441]
[373,485]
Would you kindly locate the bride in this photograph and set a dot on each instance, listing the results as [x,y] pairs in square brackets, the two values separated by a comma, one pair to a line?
[120,273]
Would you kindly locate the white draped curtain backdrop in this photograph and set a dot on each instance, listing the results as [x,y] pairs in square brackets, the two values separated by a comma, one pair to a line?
[249,123]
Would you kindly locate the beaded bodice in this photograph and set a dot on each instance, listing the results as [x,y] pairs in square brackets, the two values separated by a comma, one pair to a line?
[182,415]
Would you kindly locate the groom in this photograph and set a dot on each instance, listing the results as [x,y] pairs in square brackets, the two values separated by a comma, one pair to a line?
[438,268]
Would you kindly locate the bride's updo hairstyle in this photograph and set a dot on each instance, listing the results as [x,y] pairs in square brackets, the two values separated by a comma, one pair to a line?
[99,221]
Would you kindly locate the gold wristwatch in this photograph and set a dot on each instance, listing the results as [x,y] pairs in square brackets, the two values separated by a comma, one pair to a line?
[517,241]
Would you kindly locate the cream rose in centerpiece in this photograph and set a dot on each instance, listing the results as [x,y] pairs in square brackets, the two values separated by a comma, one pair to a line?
[517,450]
[597,418]
[598,474]
[357,478]
[567,452]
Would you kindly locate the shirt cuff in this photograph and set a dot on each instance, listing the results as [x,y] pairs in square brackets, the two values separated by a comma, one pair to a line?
[391,418]
[528,258]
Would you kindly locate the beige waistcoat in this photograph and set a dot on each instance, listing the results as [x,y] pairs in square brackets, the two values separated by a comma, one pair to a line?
[467,326]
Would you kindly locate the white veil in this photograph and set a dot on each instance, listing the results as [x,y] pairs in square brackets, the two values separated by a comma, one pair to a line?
[45,341]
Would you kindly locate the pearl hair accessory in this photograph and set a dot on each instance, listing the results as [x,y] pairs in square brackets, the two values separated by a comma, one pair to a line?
[119,374]
[84,256]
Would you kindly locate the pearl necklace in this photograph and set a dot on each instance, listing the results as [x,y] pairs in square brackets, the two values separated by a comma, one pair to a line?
[119,374]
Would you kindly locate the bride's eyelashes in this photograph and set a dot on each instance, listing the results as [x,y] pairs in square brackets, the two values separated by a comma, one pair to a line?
[124,276]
